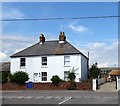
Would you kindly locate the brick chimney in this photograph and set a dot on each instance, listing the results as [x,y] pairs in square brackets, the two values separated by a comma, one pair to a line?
[42,39]
[62,37]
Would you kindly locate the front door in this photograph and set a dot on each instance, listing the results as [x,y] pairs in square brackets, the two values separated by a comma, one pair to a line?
[36,77]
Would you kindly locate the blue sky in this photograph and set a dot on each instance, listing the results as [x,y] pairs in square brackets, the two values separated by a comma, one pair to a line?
[98,36]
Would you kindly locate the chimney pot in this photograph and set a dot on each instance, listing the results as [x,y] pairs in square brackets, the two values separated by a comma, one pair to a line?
[42,38]
[62,37]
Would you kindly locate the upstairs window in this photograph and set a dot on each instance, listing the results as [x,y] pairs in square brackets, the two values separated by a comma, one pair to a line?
[22,62]
[44,61]
[66,60]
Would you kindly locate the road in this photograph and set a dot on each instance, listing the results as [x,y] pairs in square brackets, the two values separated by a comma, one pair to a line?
[59,97]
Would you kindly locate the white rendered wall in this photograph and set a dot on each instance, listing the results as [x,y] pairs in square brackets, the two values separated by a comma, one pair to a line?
[55,66]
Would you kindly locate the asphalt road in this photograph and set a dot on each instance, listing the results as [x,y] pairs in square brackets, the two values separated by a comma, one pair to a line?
[59,97]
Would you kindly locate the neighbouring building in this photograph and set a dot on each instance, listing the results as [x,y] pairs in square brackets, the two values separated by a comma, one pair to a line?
[47,58]
[110,72]
[5,67]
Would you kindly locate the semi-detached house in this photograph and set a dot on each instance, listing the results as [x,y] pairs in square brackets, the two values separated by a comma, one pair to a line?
[47,58]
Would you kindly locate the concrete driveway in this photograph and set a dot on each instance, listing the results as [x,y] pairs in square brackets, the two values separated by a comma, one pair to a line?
[109,86]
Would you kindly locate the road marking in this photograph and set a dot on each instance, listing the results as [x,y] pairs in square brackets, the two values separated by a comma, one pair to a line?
[107,97]
[11,91]
[87,97]
[65,101]
[8,97]
[39,97]
[20,97]
[96,97]
[77,97]
[58,97]
[28,97]
[115,97]
[49,97]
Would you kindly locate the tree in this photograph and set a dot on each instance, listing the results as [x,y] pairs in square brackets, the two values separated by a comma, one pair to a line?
[94,71]
[19,77]
[55,80]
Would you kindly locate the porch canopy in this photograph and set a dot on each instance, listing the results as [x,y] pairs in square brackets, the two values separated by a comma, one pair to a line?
[114,73]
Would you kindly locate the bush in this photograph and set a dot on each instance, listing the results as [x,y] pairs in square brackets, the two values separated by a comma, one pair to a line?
[55,80]
[5,77]
[71,76]
[19,78]
[72,85]
[87,80]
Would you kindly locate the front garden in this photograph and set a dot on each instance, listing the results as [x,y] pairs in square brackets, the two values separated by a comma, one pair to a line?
[17,81]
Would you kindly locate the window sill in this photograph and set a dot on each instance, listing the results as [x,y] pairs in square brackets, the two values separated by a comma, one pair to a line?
[44,66]
[22,67]
[66,66]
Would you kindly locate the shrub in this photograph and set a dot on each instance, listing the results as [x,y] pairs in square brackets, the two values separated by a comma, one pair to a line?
[87,80]
[71,76]
[19,78]
[55,80]
[5,77]
[72,85]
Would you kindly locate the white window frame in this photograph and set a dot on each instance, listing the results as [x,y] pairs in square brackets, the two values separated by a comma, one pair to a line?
[66,75]
[67,60]
[43,62]
[43,76]
[21,62]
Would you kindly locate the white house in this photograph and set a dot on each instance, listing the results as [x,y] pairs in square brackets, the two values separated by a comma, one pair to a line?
[47,58]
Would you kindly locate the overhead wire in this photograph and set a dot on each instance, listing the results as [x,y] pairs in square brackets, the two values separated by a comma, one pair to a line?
[59,18]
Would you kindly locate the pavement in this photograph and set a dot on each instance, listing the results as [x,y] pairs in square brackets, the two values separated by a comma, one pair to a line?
[58,97]
[109,86]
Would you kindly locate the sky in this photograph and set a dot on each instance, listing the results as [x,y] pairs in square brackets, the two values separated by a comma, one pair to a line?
[99,37]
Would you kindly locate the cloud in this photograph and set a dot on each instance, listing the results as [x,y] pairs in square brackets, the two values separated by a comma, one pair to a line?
[77,28]
[3,56]
[106,55]
[14,43]
[11,13]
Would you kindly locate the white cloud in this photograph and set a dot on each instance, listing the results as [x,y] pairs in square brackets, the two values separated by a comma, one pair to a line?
[77,28]
[14,43]
[10,13]
[3,56]
[105,54]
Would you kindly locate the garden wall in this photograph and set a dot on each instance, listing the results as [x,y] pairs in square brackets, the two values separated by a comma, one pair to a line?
[47,86]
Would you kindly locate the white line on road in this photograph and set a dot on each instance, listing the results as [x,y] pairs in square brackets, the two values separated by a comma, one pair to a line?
[19,97]
[58,97]
[64,101]
[96,97]
[39,97]
[87,97]
[11,91]
[28,97]
[107,97]
[49,97]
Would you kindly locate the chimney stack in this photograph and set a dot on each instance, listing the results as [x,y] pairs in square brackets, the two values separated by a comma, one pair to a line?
[62,37]
[42,39]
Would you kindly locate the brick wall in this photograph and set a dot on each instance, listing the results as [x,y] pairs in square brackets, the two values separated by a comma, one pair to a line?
[47,86]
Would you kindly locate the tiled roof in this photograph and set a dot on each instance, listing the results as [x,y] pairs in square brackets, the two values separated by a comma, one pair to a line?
[115,72]
[48,48]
